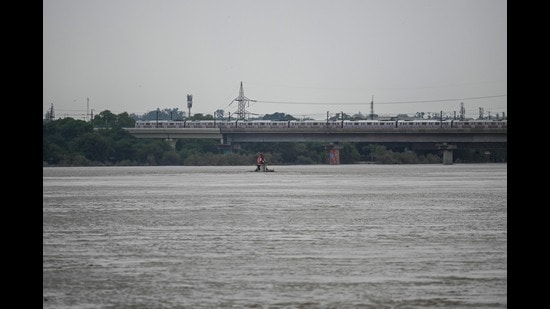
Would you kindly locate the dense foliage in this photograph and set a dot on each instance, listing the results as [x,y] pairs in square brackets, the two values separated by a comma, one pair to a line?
[103,141]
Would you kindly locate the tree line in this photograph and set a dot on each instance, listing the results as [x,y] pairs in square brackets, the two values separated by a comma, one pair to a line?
[103,142]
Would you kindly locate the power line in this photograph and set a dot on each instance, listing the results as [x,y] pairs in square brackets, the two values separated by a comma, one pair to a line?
[390,102]
[378,88]
[70,110]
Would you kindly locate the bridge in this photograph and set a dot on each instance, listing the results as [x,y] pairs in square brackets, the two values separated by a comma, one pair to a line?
[444,139]
[421,138]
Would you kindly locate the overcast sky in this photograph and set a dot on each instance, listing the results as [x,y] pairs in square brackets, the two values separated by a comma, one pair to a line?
[300,57]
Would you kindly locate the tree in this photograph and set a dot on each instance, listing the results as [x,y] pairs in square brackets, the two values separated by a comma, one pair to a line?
[93,147]
[349,153]
[104,119]
[200,116]
[125,121]
[219,114]
[278,117]
[164,114]
[70,128]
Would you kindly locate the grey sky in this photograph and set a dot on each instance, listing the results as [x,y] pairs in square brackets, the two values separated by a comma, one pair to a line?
[139,55]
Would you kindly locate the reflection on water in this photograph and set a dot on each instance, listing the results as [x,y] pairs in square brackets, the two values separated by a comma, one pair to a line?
[375,236]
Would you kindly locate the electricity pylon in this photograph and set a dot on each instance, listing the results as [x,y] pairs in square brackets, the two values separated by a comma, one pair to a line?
[242,103]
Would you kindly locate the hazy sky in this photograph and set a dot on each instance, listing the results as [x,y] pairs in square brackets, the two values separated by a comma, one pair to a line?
[300,57]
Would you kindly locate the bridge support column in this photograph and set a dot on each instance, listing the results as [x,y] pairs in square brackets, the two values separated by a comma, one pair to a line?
[334,153]
[172,142]
[447,152]
[228,148]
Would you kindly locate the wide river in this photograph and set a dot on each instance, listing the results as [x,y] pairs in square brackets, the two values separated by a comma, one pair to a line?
[307,236]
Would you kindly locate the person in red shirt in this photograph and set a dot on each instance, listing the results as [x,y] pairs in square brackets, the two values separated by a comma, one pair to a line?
[259,161]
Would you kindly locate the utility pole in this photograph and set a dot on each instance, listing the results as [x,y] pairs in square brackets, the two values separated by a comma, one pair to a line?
[372,108]
[242,103]
[87,108]
[52,114]
[189,104]
[158,110]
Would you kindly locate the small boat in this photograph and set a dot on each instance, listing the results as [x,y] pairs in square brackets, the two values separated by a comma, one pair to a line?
[263,168]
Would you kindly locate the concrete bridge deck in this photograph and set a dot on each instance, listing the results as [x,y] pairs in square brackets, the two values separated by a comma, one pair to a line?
[329,135]
[175,133]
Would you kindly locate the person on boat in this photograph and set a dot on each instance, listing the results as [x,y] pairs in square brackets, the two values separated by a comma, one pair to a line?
[259,161]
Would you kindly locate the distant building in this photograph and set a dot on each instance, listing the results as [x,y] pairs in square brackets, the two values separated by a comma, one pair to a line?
[401,117]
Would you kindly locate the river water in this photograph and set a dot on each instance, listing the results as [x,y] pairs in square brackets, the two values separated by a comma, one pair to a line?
[308,236]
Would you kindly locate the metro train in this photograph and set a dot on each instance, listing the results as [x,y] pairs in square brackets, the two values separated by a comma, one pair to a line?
[345,124]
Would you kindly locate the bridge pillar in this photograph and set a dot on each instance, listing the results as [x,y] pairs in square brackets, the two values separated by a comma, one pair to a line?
[172,142]
[447,152]
[228,148]
[334,153]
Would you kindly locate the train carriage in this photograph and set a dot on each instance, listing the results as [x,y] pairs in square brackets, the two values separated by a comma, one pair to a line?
[312,124]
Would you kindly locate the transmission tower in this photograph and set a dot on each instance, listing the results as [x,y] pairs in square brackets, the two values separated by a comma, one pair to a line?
[50,115]
[242,103]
